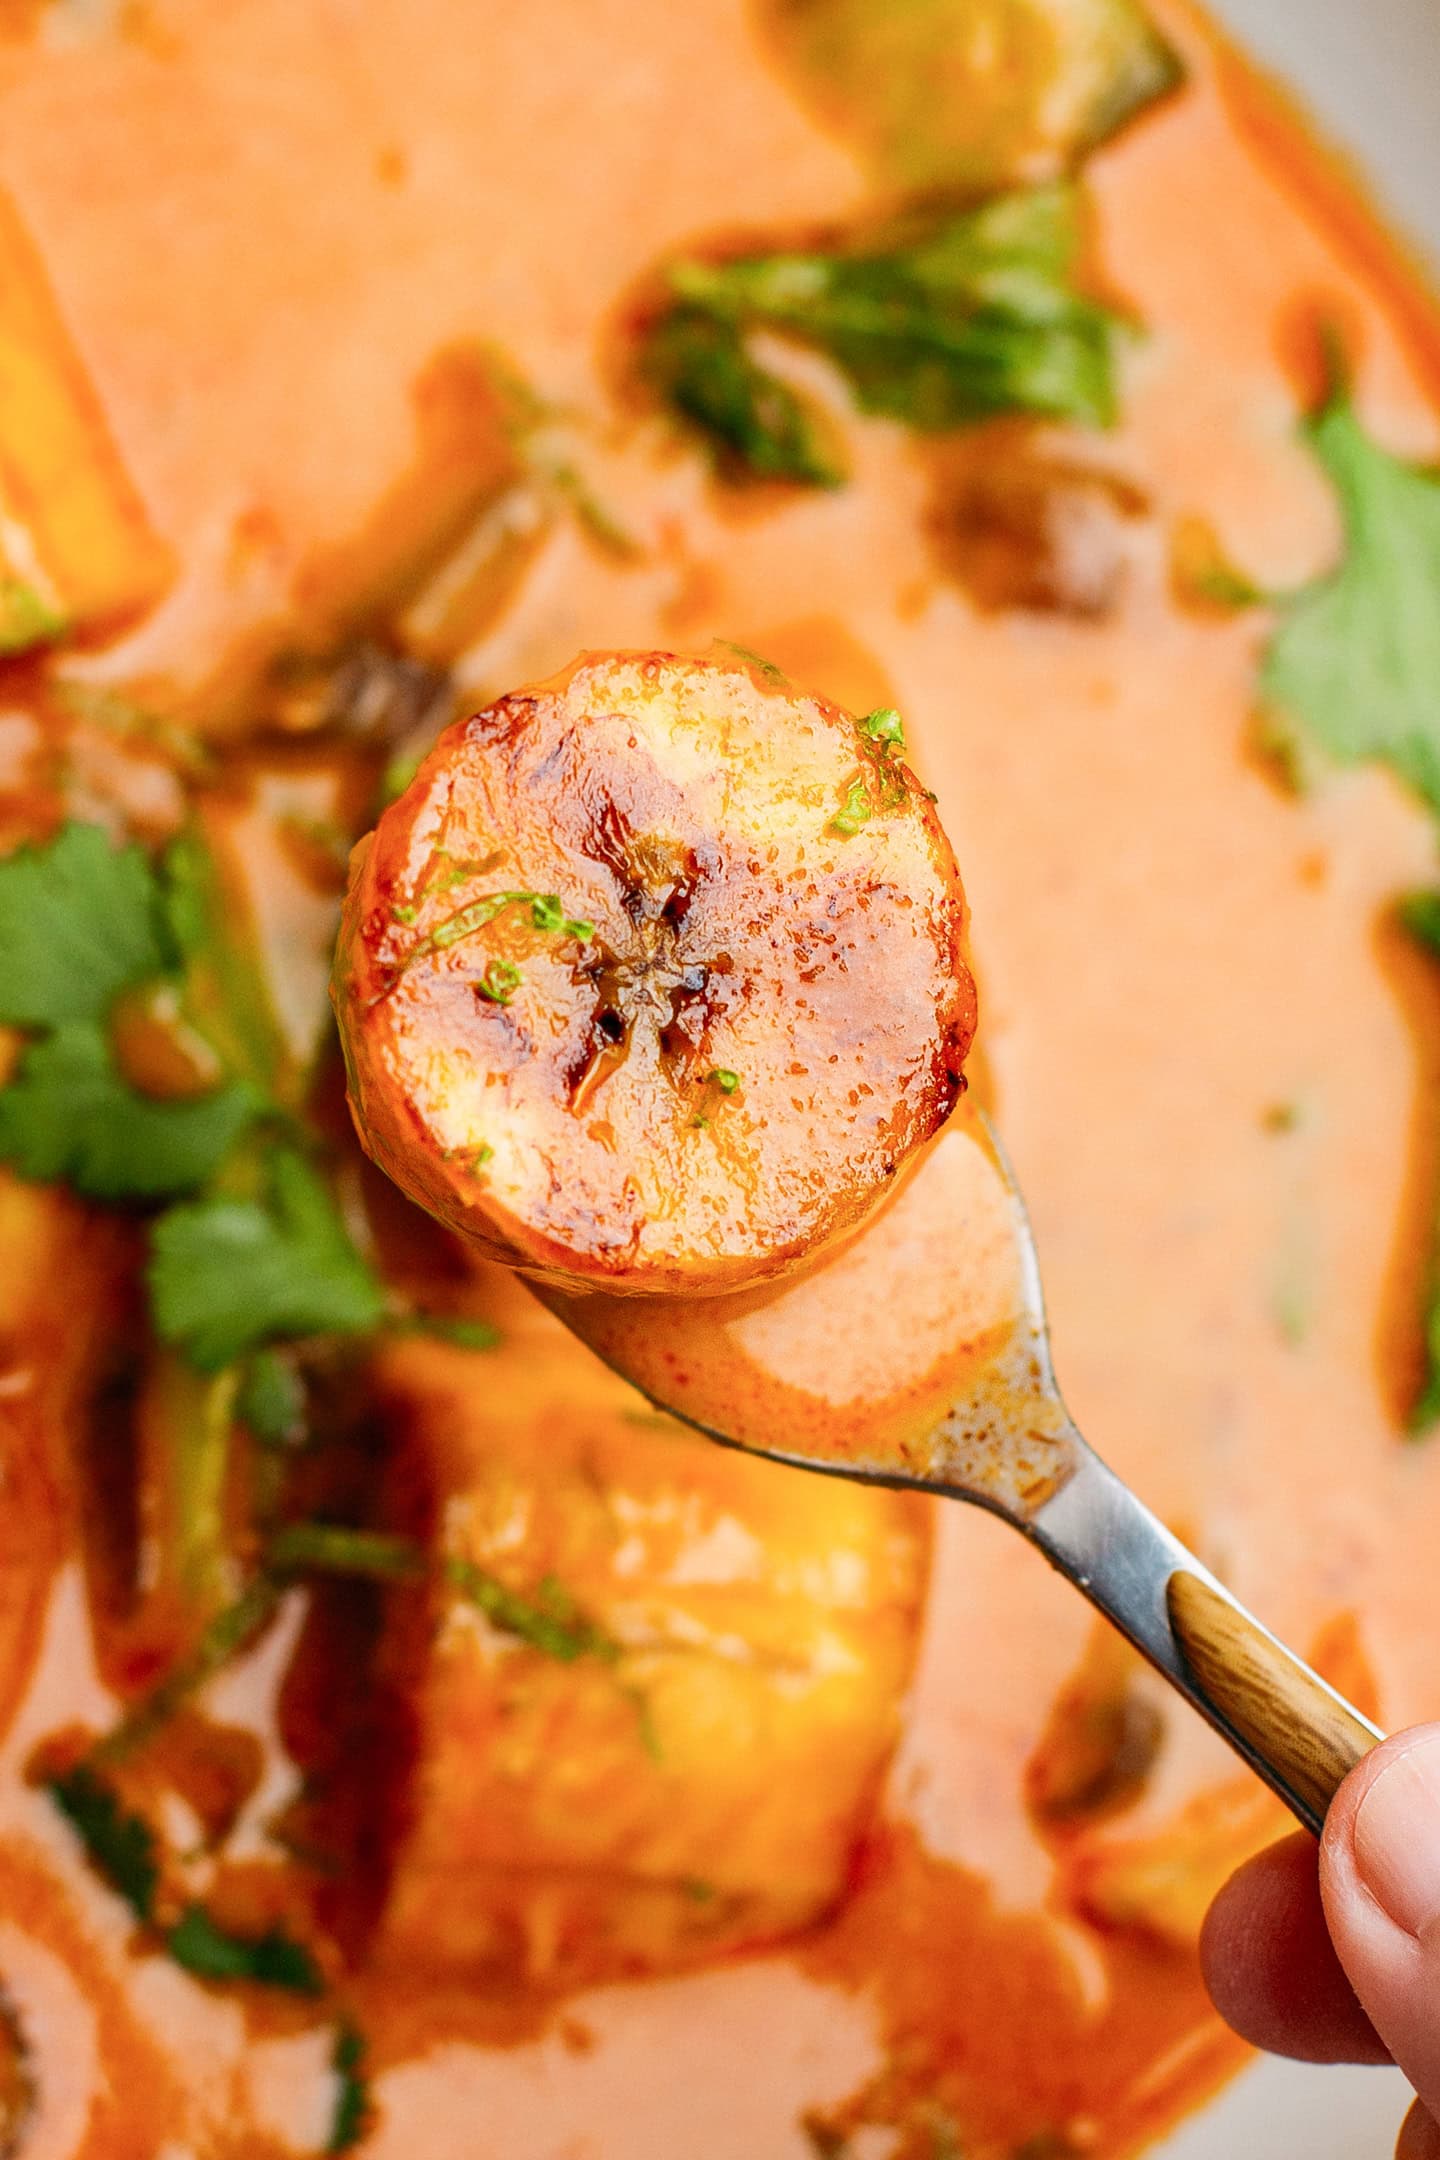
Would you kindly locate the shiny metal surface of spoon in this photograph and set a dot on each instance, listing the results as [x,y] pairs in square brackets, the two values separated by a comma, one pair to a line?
[789,1372]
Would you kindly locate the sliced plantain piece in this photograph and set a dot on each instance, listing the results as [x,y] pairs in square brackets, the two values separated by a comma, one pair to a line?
[654,976]
[971,95]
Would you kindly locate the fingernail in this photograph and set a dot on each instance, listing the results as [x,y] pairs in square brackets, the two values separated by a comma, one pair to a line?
[1397,1837]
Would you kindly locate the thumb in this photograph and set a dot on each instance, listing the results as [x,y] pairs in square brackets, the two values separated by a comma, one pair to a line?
[1380,1880]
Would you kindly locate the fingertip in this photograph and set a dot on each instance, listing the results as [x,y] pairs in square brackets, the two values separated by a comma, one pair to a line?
[1419,2136]
[1380,1884]
[1341,1876]
[1270,1967]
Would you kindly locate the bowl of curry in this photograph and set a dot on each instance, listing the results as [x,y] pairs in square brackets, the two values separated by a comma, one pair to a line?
[410,1741]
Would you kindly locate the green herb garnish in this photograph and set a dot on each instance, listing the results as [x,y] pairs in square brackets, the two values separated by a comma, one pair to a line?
[546,913]
[119,1846]
[26,618]
[548,1619]
[224,1637]
[271,1401]
[940,320]
[211,1952]
[69,1115]
[80,921]
[458,1329]
[354,2108]
[228,1276]
[885,726]
[755,424]
[725,1080]
[225,993]
[1354,666]
[1419,913]
[856,811]
[500,981]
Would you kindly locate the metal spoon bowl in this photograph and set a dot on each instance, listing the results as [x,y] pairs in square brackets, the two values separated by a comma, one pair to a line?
[963,1401]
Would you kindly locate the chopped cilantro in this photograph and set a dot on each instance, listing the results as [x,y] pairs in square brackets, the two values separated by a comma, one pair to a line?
[396,775]
[769,669]
[546,913]
[353,2105]
[225,993]
[227,1276]
[548,1620]
[211,1952]
[724,1079]
[856,811]
[1353,669]
[271,1401]
[228,1633]
[119,1846]
[1354,666]
[754,423]
[26,618]
[500,981]
[1420,915]
[885,726]
[70,1115]
[939,321]
[458,1329]
[80,921]
[337,1549]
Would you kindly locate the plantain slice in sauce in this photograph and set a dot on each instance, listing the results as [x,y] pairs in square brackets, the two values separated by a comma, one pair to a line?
[654,976]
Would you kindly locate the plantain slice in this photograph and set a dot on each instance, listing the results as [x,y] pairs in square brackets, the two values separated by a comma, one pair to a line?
[654,976]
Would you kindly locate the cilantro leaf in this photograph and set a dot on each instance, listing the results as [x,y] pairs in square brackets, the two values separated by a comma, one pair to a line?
[231,1630]
[26,618]
[272,1400]
[80,920]
[1354,666]
[754,422]
[941,321]
[1419,914]
[211,1952]
[353,2105]
[549,1619]
[228,1275]
[340,1549]
[119,1846]
[225,993]
[461,1330]
[69,1115]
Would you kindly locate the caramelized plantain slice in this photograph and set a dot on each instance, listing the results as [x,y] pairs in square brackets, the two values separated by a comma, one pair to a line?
[654,976]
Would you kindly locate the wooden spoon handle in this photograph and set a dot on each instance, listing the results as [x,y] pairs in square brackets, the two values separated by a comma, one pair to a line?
[1292,1729]
[1284,1710]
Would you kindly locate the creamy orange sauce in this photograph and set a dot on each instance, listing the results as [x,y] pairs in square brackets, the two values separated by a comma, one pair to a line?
[283,220]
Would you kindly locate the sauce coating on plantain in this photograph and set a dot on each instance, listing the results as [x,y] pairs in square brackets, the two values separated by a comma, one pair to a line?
[654,976]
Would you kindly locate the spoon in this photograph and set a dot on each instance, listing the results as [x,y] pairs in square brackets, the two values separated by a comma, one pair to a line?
[966,1405]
